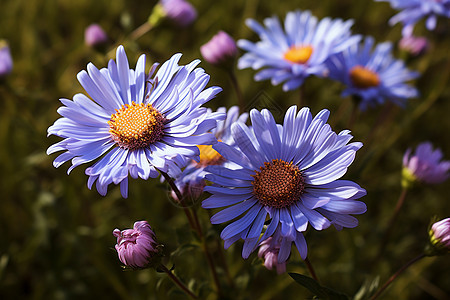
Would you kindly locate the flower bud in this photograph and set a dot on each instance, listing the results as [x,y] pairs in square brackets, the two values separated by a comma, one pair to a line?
[268,251]
[95,36]
[424,166]
[220,50]
[137,248]
[6,63]
[413,45]
[179,11]
[439,238]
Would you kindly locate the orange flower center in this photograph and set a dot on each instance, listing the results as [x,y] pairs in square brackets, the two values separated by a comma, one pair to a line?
[278,184]
[209,156]
[136,126]
[363,78]
[298,55]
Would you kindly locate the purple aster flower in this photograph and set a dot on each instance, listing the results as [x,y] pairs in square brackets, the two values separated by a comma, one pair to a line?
[425,165]
[414,45]
[94,35]
[179,11]
[374,77]
[191,181]
[412,11]
[135,125]
[220,50]
[298,51]
[137,247]
[6,63]
[268,251]
[287,172]
[440,237]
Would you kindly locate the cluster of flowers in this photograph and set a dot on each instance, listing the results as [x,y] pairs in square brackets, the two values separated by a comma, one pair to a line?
[270,180]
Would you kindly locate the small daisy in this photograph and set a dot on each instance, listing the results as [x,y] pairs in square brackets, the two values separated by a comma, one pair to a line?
[298,51]
[135,125]
[412,11]
[286,173]
[374,77]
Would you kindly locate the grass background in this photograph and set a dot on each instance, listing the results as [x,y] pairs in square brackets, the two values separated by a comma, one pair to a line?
[57,238]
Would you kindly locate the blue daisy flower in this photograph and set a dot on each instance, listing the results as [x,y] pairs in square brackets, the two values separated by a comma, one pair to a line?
[135,125]
[298,51]
[412,11]
[374,77]
[192,180]
[286,173]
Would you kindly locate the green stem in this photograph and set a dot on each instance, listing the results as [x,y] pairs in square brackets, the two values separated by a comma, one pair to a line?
[396,274]
[391,222]
[237,89]
[177,281]
[311,270]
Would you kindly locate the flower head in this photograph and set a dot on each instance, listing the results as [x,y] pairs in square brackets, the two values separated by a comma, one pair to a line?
[6,63]
[414,45]
[412,11]
[289,173]
[137,247]
[268,251]
[374,77]
[94,35]
[440,237]
[179,11]
[135,125]
[192,180]
[220,50]
[298,51]
[424,165]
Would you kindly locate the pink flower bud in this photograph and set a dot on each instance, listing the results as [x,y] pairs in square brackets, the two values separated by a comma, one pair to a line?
[268,251]
[440,237]
[6,63]
[220,49]
[179,11]
[136,247]
[94,35]
[413,45]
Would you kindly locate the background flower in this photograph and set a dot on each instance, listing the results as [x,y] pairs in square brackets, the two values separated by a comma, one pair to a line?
[425,165]
[136,126]
[372,75]
[94,35]
[412,11]
[220,50]
[181,12]
[6,63]
[289,173]
[298,51]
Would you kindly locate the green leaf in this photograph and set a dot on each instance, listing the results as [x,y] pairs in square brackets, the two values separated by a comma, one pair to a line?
[314,287]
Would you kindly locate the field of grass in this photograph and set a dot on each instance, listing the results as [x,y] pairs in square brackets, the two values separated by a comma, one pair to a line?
[57,240]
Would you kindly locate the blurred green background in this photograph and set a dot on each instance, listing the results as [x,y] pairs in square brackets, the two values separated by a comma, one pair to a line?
[57,238]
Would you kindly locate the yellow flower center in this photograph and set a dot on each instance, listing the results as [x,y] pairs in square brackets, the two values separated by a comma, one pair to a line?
[209,156]
[298,55]
[278,184]
[363,78]
[136,126]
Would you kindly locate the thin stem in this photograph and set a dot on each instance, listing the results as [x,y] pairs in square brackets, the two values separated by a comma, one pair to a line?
[209,258]
[140,31]
[391,222]
[174,187]
[354,114]
[177,281]
[237,89]
[393,277]
[301,96]
[311,270]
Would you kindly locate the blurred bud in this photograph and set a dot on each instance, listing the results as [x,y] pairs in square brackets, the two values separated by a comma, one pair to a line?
[95,36]
[6,63]
[439,238]
[424,166]
[268,251]
[220,50]
[413,45]
[179,11]
[137,248]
